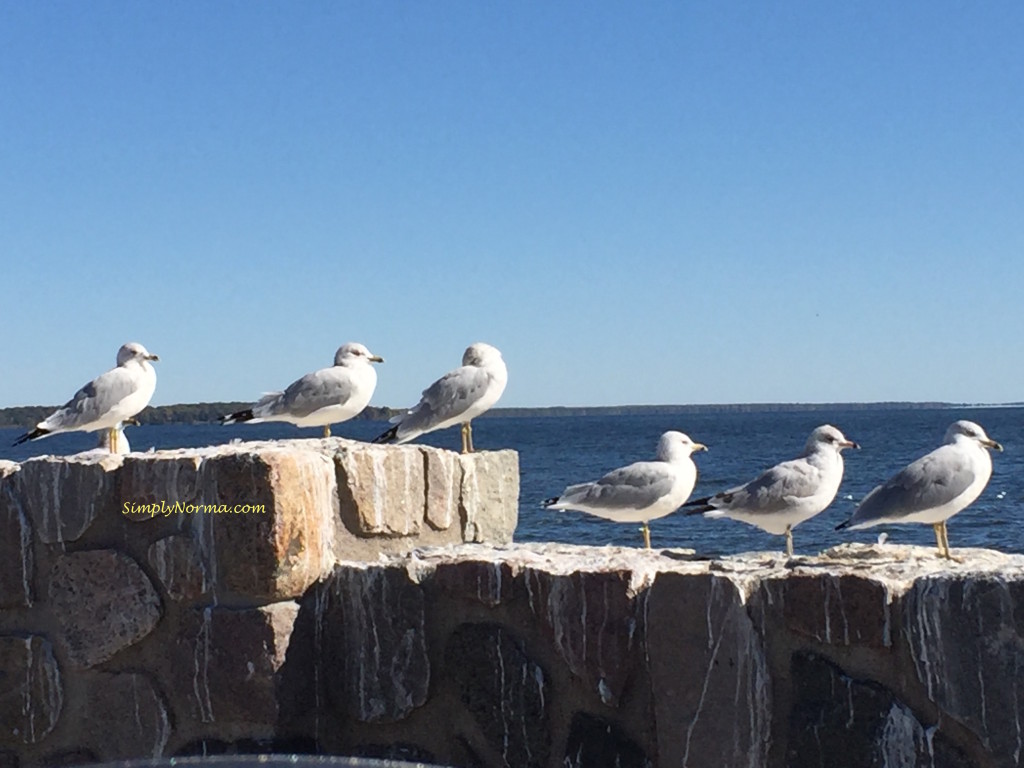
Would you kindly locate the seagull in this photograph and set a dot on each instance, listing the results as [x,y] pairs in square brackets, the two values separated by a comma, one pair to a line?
[933,488]
[640,492]
[456,398]
[789,493]
[321,398]
[122,447]
[105,401]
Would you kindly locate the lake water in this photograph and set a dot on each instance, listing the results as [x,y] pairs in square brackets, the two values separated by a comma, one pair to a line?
[560,450]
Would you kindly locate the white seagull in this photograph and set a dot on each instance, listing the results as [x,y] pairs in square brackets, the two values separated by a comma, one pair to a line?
[789,493]
[456,398]
[324,397]
[107,400]
[935,487]
[640,492]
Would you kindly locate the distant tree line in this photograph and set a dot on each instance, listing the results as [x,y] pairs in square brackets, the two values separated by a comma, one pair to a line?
[183,413]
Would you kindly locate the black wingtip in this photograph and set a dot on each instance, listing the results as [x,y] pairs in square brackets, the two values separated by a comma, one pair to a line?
[549,502]
[31,436]
[237,418]
[842,525]
[386,437]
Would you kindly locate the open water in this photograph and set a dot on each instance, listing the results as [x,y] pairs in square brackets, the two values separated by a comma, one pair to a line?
[559,450]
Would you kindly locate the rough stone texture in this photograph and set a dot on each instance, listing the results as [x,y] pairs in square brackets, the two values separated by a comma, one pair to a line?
[226,663]
[967,643]
[597,743]
[488,479]
[503,689]
[31,690]
[181,566]
[62,495]
[839,721]
[103,602]
[17,559]
[385,679]
[131,701]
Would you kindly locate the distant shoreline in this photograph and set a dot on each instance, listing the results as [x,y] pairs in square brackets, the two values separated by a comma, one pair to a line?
[205,413]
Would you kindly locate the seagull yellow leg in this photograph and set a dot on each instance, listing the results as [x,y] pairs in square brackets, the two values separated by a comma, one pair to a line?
[327,430]
[945,540]
[789,541]
[647,535]
[467,438]
[940,539]
[113,439]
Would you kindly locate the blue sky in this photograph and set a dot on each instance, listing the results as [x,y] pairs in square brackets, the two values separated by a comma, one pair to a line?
[637,203]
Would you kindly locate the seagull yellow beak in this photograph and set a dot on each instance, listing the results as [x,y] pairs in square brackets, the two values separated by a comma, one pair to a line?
[849,444]
[376,359]
[990,443]
[152,357]
[699,447]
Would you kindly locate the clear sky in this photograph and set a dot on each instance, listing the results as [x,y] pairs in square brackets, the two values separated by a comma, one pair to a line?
[636,202]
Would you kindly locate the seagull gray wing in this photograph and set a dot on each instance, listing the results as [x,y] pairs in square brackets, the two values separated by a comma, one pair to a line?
[447,398]
[320,389]
[637,486]
[929,482]
[92,401]
[773,490]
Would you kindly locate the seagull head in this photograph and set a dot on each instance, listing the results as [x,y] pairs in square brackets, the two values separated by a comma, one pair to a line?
[827,436]
[675,445]
[480,354]
[133,351]
[355,351]
[968,430]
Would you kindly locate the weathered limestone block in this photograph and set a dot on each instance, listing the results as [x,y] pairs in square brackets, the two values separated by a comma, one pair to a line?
[373,644]
[503,689]
[489,480]
[226,663]
[17,560]
[966,638]
[276,554]
[123,716]
[103,602]
[62,495]
[383,488]
[443,475]
[713,693]
[31,690]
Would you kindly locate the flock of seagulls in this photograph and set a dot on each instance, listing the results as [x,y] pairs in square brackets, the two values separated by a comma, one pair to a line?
[930,490]
[319,399]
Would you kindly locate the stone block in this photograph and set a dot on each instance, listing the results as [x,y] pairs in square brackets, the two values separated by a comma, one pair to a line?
[489,498]
[373,650]
[31,690]
[103,602]
[382,488]
[226,664]
[123,716]
[17,558]
[504,691]
[713,693]
[62,495]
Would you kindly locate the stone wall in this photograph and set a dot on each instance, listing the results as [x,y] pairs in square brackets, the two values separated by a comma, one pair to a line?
[340,633]
[133,625]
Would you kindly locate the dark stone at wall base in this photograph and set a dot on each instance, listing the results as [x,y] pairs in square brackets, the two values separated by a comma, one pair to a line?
[31,690]
[598,743]
[504,691]
[372,644]
[838,722]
